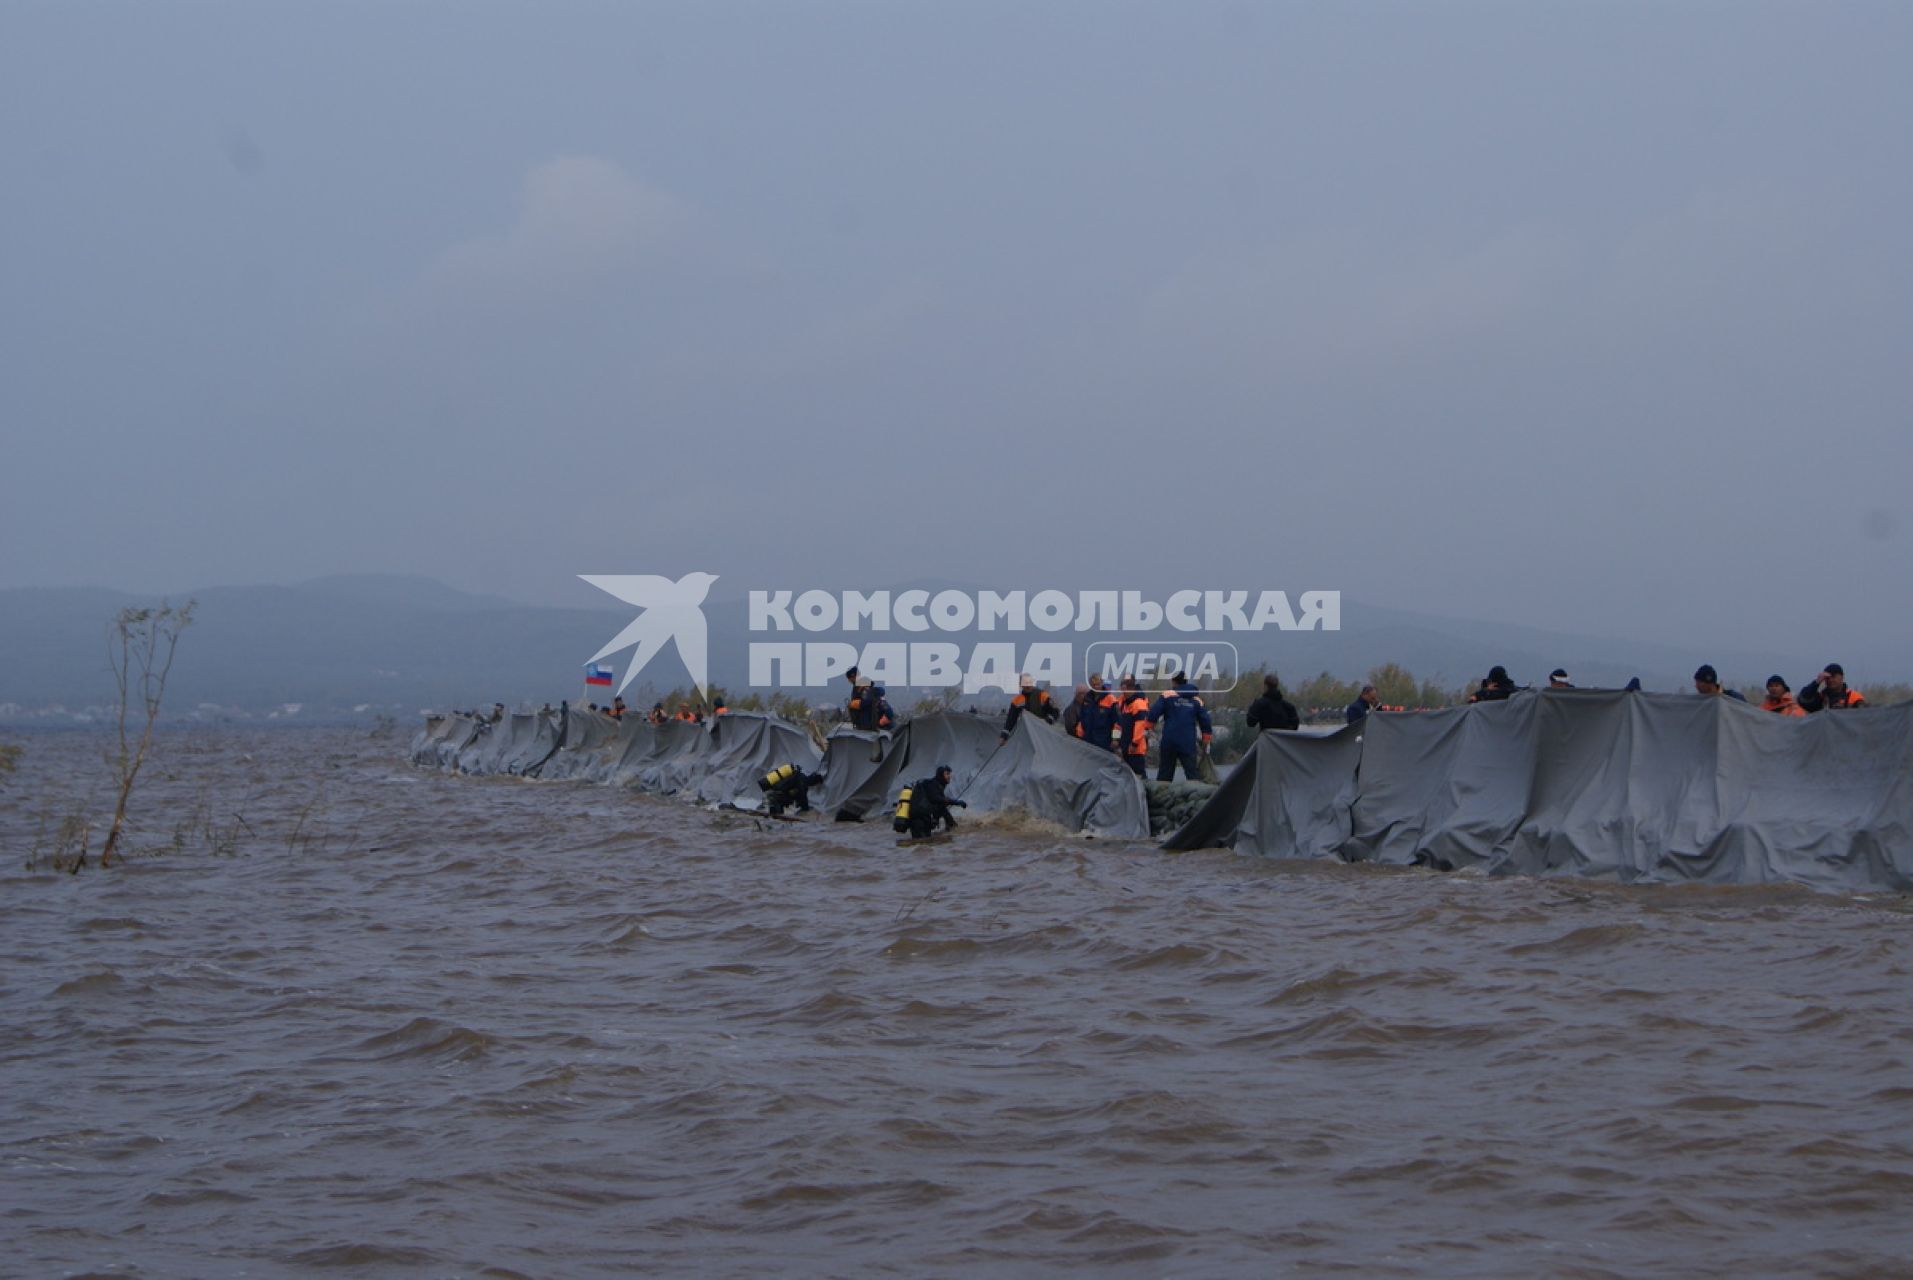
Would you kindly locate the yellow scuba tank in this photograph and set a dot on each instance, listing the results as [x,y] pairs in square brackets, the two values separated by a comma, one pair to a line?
[902,820]
[778,775]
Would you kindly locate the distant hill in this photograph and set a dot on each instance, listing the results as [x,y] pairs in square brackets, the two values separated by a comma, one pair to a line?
[395,644]
[332,644]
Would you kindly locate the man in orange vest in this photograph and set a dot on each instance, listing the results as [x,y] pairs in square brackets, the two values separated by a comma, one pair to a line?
[1780,698]
[1032,699]
[1132,726]
[867,708]
[1830,692]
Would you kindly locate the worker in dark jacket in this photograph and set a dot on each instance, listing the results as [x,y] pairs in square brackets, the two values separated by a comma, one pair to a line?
[1829,691]
[1272,710]
[1365,702]
[1032,699]
[1498,687]
[1073,713]
[1187,729]
[1707,683]
[1097,711]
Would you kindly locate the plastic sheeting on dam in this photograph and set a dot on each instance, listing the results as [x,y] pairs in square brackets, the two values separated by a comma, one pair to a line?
[718,763]
[1635,787]
[1040,771]
[863,771]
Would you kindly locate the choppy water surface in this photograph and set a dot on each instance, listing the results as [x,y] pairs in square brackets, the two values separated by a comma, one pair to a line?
[443,1026]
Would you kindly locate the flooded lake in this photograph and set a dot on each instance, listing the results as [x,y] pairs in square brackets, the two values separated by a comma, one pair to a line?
[343,1015]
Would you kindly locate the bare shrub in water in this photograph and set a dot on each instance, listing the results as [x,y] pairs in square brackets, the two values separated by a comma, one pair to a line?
[140,646]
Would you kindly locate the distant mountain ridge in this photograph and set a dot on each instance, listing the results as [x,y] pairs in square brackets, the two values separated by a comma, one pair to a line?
[396,644]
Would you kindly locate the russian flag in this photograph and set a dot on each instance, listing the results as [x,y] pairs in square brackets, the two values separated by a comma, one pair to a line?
[595,674]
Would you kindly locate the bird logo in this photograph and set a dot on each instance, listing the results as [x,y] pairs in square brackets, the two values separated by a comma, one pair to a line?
[673,611]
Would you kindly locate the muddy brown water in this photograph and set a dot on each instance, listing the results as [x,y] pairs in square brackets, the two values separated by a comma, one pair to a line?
[406,1024]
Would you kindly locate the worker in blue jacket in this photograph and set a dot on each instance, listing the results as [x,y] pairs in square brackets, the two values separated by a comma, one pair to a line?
[1186,729]
[1096,714]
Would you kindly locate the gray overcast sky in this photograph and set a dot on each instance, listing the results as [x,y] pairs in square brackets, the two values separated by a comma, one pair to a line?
[1592,316]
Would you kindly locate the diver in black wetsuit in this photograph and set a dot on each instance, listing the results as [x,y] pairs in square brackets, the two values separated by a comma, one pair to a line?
[930,804]
[787,786]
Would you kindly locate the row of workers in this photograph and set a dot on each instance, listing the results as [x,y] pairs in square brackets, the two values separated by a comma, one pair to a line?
[686,713]
[1828,691]
[1119,721]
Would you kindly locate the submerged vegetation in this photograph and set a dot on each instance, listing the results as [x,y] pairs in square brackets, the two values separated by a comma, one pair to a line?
[141,643]
[141,647]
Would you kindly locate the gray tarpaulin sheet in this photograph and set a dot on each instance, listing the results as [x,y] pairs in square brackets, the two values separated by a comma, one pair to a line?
[442,738]
[714,763]
[743,748]
[1047,773]
[860,769]
[513,745]
[1625,786]
[592,748]
[1040,770]
[865,771]
[1293,791]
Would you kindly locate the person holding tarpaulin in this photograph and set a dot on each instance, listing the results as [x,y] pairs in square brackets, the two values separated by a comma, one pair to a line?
[1032,699]
[1187,729]
[1497,687]
[867,708]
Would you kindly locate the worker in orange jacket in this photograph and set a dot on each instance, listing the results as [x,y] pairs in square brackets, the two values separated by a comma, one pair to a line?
[1780,699]
[1030,697]
[1132,726]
